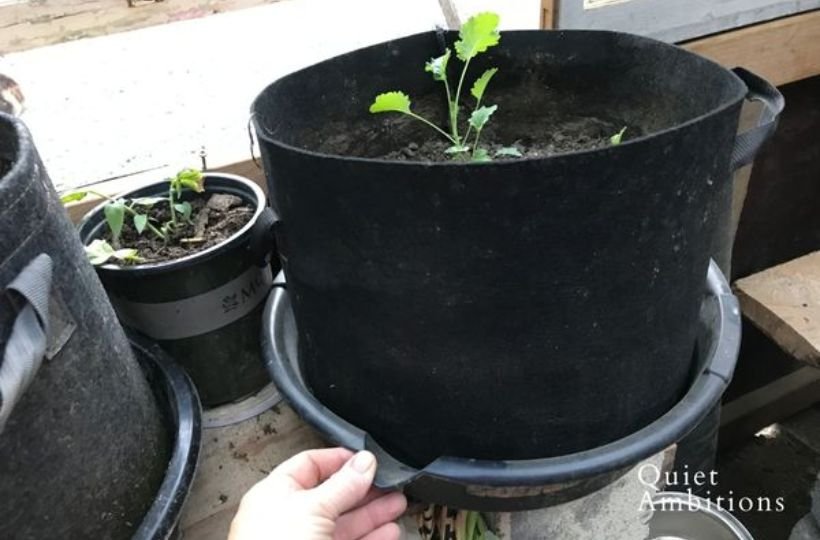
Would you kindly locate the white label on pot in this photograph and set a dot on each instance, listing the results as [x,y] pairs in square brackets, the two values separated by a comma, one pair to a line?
[593,4]
[198,314]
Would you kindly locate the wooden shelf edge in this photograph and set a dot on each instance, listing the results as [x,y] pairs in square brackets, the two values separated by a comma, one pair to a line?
[741,418]
[777,329]
[113,187]
[782,51]
[549,14]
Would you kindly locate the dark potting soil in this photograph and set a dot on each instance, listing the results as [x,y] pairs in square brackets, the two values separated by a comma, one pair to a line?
[217,216]
[535,120]
[580,134]
[5,166]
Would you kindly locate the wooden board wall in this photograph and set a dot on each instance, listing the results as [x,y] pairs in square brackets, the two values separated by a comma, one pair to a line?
[25,24]
[548,13]
[781,51]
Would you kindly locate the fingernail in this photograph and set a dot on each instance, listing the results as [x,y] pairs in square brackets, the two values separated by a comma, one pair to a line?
[363,462]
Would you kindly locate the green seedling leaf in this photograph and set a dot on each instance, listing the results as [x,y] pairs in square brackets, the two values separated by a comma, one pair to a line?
[99,251]
[509,151]
[481,115]
[478,34]
[127,255]
[438,66]
[115,216]
[455,149]
[480,85]
[140,221]
[391,102]
[616,139]
[184,208]
[481,155]
[73,197]
[471,524]
[482,527]
[188,178]
[147,201]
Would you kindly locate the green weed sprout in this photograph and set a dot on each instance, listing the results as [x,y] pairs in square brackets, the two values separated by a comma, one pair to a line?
[616,139]
[100,251]
[477,35]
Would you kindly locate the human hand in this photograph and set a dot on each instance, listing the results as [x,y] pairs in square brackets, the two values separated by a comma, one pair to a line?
[319,495]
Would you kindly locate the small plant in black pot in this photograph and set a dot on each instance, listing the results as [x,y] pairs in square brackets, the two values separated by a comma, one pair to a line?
[185,261]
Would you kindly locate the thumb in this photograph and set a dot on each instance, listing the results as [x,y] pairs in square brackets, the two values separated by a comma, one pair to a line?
[348,486]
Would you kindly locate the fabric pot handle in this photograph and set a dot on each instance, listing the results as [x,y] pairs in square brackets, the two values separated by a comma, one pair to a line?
[262,237]
[26,346]
[748,143]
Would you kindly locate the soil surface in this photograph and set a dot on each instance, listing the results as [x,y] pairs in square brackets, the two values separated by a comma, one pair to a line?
[214,218]
[579,134]
[536,121]
[5,166]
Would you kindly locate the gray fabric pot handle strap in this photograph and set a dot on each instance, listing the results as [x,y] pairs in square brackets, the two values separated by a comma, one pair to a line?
[748,143]
[27,343]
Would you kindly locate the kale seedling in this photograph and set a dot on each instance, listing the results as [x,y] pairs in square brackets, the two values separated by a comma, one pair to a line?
[477,35]
[616,139]
[100,251]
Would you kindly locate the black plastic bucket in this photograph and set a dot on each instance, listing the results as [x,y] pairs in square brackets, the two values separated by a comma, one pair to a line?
[456,291]
[512,484]
[84,449]
[178,400]
[204,309]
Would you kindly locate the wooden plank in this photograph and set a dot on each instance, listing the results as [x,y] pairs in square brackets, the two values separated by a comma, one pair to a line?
[676,21]
[115,186]
[549,13]
[33,23]
[784,302]
[805,428]
[234,458]
[778,400]
[781,51]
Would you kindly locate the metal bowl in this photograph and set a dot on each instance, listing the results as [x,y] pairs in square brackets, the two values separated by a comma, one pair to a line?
[682,516]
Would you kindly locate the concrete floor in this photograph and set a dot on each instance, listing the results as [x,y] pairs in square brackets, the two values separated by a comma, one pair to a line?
[782,461]
[116,105]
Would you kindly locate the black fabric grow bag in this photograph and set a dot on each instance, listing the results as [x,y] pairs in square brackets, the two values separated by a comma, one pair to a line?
[84,449]
[509,485]
[204,309]
[519,309]
[178,399]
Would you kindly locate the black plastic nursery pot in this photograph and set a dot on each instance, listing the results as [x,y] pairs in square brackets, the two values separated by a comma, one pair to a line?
[516,309]
[204,309]
[83,447]
[178,400]
[516,484]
